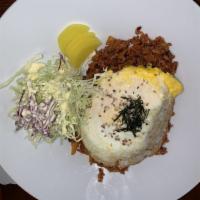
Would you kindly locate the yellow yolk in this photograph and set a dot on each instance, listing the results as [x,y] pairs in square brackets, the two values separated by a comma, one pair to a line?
[153,75]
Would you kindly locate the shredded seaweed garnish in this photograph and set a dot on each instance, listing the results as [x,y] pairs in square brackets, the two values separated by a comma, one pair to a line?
[133,115]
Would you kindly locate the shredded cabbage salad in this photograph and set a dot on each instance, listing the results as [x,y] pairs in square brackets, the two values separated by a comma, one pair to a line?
[51,99]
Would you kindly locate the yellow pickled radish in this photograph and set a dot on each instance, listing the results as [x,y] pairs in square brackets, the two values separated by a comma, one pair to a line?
[69,33]
[82,50]
[77,43]
[74,44]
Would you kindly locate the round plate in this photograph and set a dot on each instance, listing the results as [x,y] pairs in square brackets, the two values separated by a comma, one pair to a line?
[49,171]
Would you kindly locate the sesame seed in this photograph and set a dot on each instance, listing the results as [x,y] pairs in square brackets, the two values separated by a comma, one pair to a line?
[105,108]
[103,126]
[124,141]
[109,95]
[114,90]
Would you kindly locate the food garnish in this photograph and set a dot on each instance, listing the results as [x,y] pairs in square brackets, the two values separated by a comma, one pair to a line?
[133,115]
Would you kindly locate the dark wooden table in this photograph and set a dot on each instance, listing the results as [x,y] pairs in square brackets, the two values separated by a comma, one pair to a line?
[14,192]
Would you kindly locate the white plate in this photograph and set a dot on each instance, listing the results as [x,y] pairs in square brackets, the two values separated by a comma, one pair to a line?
[49,172]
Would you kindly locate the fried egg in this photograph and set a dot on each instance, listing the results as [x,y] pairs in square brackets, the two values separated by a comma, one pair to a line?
[106,138]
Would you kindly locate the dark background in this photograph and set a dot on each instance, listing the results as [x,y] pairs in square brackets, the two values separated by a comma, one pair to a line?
[14,192]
